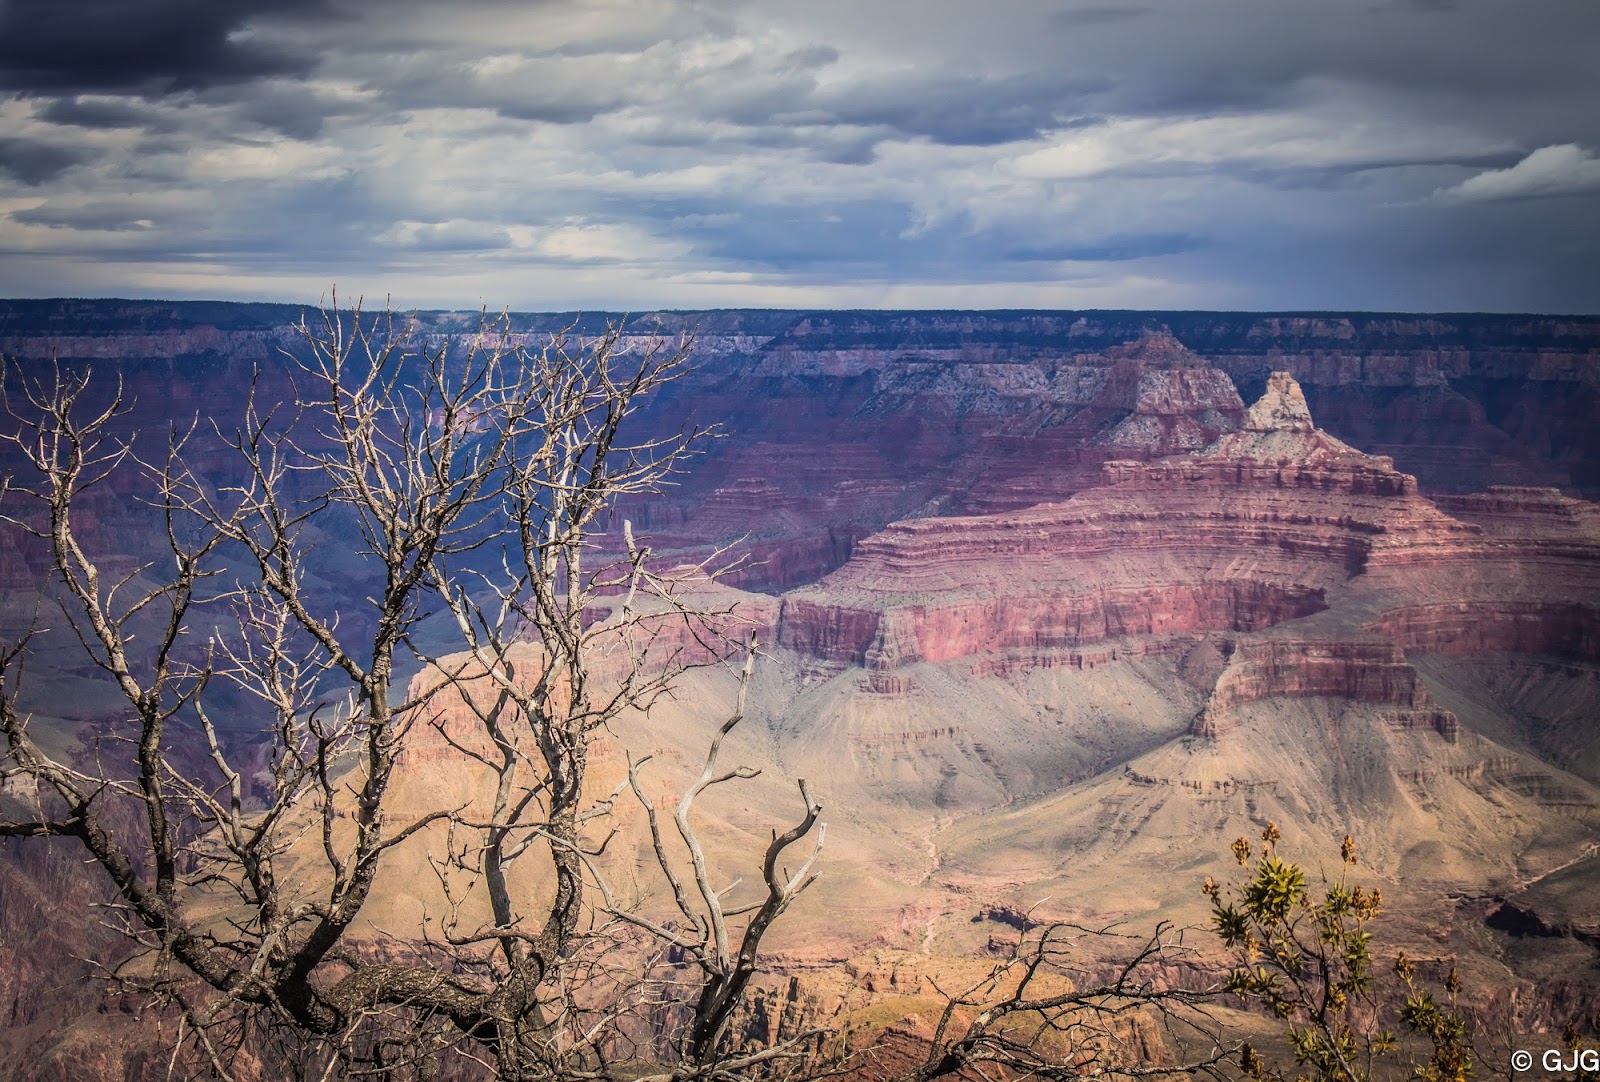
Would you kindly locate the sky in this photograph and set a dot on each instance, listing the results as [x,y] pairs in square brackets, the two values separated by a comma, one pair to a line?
[1402,155]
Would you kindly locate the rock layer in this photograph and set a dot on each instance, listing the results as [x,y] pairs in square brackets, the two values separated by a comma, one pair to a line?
[1248,533]
[1353,670]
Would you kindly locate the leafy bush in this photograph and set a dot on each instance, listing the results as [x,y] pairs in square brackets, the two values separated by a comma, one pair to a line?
[1305,955]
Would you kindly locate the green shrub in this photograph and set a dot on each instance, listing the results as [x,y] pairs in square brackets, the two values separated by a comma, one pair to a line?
[1305,955]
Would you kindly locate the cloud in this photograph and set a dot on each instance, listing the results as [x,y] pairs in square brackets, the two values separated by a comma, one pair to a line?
[297,108]
[455,235]
[554,89]
[104,113]
[1320,139]
[604,243]
[36,163]
[1565,169]
[960,109]
[86,217]
[152,47]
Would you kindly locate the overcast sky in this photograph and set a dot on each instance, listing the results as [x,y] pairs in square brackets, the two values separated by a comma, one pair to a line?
[543,154]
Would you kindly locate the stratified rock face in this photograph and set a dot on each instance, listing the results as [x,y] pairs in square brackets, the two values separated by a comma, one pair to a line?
[1511,511]
[1354,670]
[1178,401]
[1301,567]
[975,414]
[1281,409]
[1252,531]
[1278,429]
[1505,626]
[954,629]
[856,439]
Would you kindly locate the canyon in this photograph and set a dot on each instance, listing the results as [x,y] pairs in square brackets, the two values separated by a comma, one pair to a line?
[1054,606]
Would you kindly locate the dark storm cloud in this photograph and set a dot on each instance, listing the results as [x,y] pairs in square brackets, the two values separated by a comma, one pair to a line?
[34,163]
[104,113]
[97,218]
[293,109]
[964,110]
[551,89]
[1441,259]
[1360,171]
[574,86]
[151,47]
[766,93]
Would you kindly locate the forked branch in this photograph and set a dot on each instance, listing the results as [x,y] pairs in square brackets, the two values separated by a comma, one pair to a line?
[725,971]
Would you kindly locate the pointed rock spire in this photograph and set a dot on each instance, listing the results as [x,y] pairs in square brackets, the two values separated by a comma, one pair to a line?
[1156,347]
[1281,409]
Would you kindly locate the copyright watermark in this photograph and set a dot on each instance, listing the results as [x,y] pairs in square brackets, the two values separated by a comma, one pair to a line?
[1557,1060]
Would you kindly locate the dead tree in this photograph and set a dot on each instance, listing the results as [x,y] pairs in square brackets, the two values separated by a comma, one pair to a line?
[474,480]
[1042,1013]
[704,935]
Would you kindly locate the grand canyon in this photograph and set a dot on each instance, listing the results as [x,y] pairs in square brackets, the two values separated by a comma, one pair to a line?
[1052,607]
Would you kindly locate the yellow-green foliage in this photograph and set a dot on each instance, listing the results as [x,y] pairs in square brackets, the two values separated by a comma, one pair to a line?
[1306,956]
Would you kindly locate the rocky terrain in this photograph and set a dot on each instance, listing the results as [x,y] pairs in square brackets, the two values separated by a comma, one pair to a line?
[1056,605]
[1201,642]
